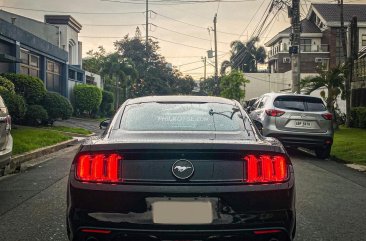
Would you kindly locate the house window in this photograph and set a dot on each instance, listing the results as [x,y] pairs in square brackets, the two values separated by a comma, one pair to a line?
[305,45]
[53,82]
[29,64]
[363,39]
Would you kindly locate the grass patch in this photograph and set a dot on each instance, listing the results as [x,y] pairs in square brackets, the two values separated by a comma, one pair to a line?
[350,145]
[76,130]
[28,139]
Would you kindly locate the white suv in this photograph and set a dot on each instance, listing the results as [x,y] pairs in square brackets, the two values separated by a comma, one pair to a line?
[296,120]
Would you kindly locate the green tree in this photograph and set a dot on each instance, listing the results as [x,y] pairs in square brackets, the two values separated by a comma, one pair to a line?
[245,56]
[233,85]
[207,86]
[94,60]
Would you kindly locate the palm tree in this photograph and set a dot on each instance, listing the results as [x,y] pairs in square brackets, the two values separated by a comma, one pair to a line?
[333,80]
[245,56]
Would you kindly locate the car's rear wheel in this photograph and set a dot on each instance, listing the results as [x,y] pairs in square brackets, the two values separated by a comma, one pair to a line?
[323,153]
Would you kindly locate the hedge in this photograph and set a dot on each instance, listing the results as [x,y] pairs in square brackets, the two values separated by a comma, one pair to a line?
[87,98]
[36,115]
[358,117]
[7,84]
[15,104]
[106,107]
[57,107]
[31,88]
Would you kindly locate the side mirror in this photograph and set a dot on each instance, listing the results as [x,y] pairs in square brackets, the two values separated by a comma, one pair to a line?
[104,124]
[258,125]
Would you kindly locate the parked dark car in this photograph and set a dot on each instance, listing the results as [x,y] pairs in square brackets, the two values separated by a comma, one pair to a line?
[181,168]
[6,140]
[296,120]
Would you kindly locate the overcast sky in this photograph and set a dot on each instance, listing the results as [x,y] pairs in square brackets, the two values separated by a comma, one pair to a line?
[233,18]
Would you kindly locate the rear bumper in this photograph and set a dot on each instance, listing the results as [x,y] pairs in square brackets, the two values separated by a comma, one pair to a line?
[311,140]
[5,155]
[239,211]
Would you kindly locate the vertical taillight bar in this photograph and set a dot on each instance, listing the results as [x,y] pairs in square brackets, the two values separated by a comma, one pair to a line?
[98,167]
[265,168]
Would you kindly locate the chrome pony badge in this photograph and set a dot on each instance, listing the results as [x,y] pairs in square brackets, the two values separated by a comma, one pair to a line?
[183,169]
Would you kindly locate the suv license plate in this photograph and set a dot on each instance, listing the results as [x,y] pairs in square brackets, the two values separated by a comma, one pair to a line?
[304,124]
[182,212]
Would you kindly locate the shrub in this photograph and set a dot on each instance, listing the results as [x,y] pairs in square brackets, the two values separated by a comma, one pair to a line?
[358,117]
[106,107]
[57,106]
[7,84]
[31,88]
[35,115]
[15,104]
[87,98]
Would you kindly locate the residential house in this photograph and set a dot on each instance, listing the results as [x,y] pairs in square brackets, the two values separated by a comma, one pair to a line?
[320,42]
[313,50]
[49,50]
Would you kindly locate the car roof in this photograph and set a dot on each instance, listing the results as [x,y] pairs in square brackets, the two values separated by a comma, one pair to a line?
[289,94]
[181,98]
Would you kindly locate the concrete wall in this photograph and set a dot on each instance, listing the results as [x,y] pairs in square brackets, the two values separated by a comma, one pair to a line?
[261,83]
[69,35]
[97,79]
[42,30]
[361,31]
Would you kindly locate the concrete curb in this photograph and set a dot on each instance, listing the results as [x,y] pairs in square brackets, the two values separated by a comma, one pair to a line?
[18,160]
[360,168]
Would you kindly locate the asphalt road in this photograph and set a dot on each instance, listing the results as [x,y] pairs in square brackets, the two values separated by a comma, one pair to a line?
[331,200]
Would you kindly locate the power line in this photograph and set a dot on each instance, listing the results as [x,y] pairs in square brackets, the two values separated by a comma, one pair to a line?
[190,24]
[174,2]
[188,35]
[186,45]
[68,12]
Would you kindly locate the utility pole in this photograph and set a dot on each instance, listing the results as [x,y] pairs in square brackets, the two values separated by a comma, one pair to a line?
[205,67]
[147,24]
[216,57]
[147,39]
[347,64]
[352,56]
[295,46]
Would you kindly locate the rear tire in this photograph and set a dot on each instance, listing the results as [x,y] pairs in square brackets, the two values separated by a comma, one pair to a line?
[323,153]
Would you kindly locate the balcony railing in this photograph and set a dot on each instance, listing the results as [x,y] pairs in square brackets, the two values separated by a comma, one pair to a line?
[305,48]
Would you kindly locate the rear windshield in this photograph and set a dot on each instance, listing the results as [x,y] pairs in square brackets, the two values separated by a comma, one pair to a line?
[181,117]
[300,103]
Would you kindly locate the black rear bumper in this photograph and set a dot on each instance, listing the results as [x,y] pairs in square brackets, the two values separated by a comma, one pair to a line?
[306,141]
[123,211]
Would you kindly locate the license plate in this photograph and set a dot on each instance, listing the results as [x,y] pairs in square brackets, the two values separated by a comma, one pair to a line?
[304,124]
[182,212]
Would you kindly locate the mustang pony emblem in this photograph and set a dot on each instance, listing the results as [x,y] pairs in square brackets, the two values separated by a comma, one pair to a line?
[181,168]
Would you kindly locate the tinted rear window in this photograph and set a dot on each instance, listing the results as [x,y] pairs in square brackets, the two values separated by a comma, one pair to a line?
[181,117]
[299,103]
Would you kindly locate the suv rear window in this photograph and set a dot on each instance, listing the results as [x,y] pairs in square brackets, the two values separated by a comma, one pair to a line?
[299,103]
[181,117]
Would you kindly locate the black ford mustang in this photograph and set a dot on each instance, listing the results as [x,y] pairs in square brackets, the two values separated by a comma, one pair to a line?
[181,168]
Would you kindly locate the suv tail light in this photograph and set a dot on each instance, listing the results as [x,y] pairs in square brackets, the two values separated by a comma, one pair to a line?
[8,123]
[98,167]
[265,168]
[327,116]
[274,113]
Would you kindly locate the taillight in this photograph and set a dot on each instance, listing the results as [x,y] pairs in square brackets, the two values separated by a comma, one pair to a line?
[98,167]
[8,123]
[274,113]
[265,168]
[327,116]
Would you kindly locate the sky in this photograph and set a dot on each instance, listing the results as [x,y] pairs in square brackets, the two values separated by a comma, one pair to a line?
[180,28]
